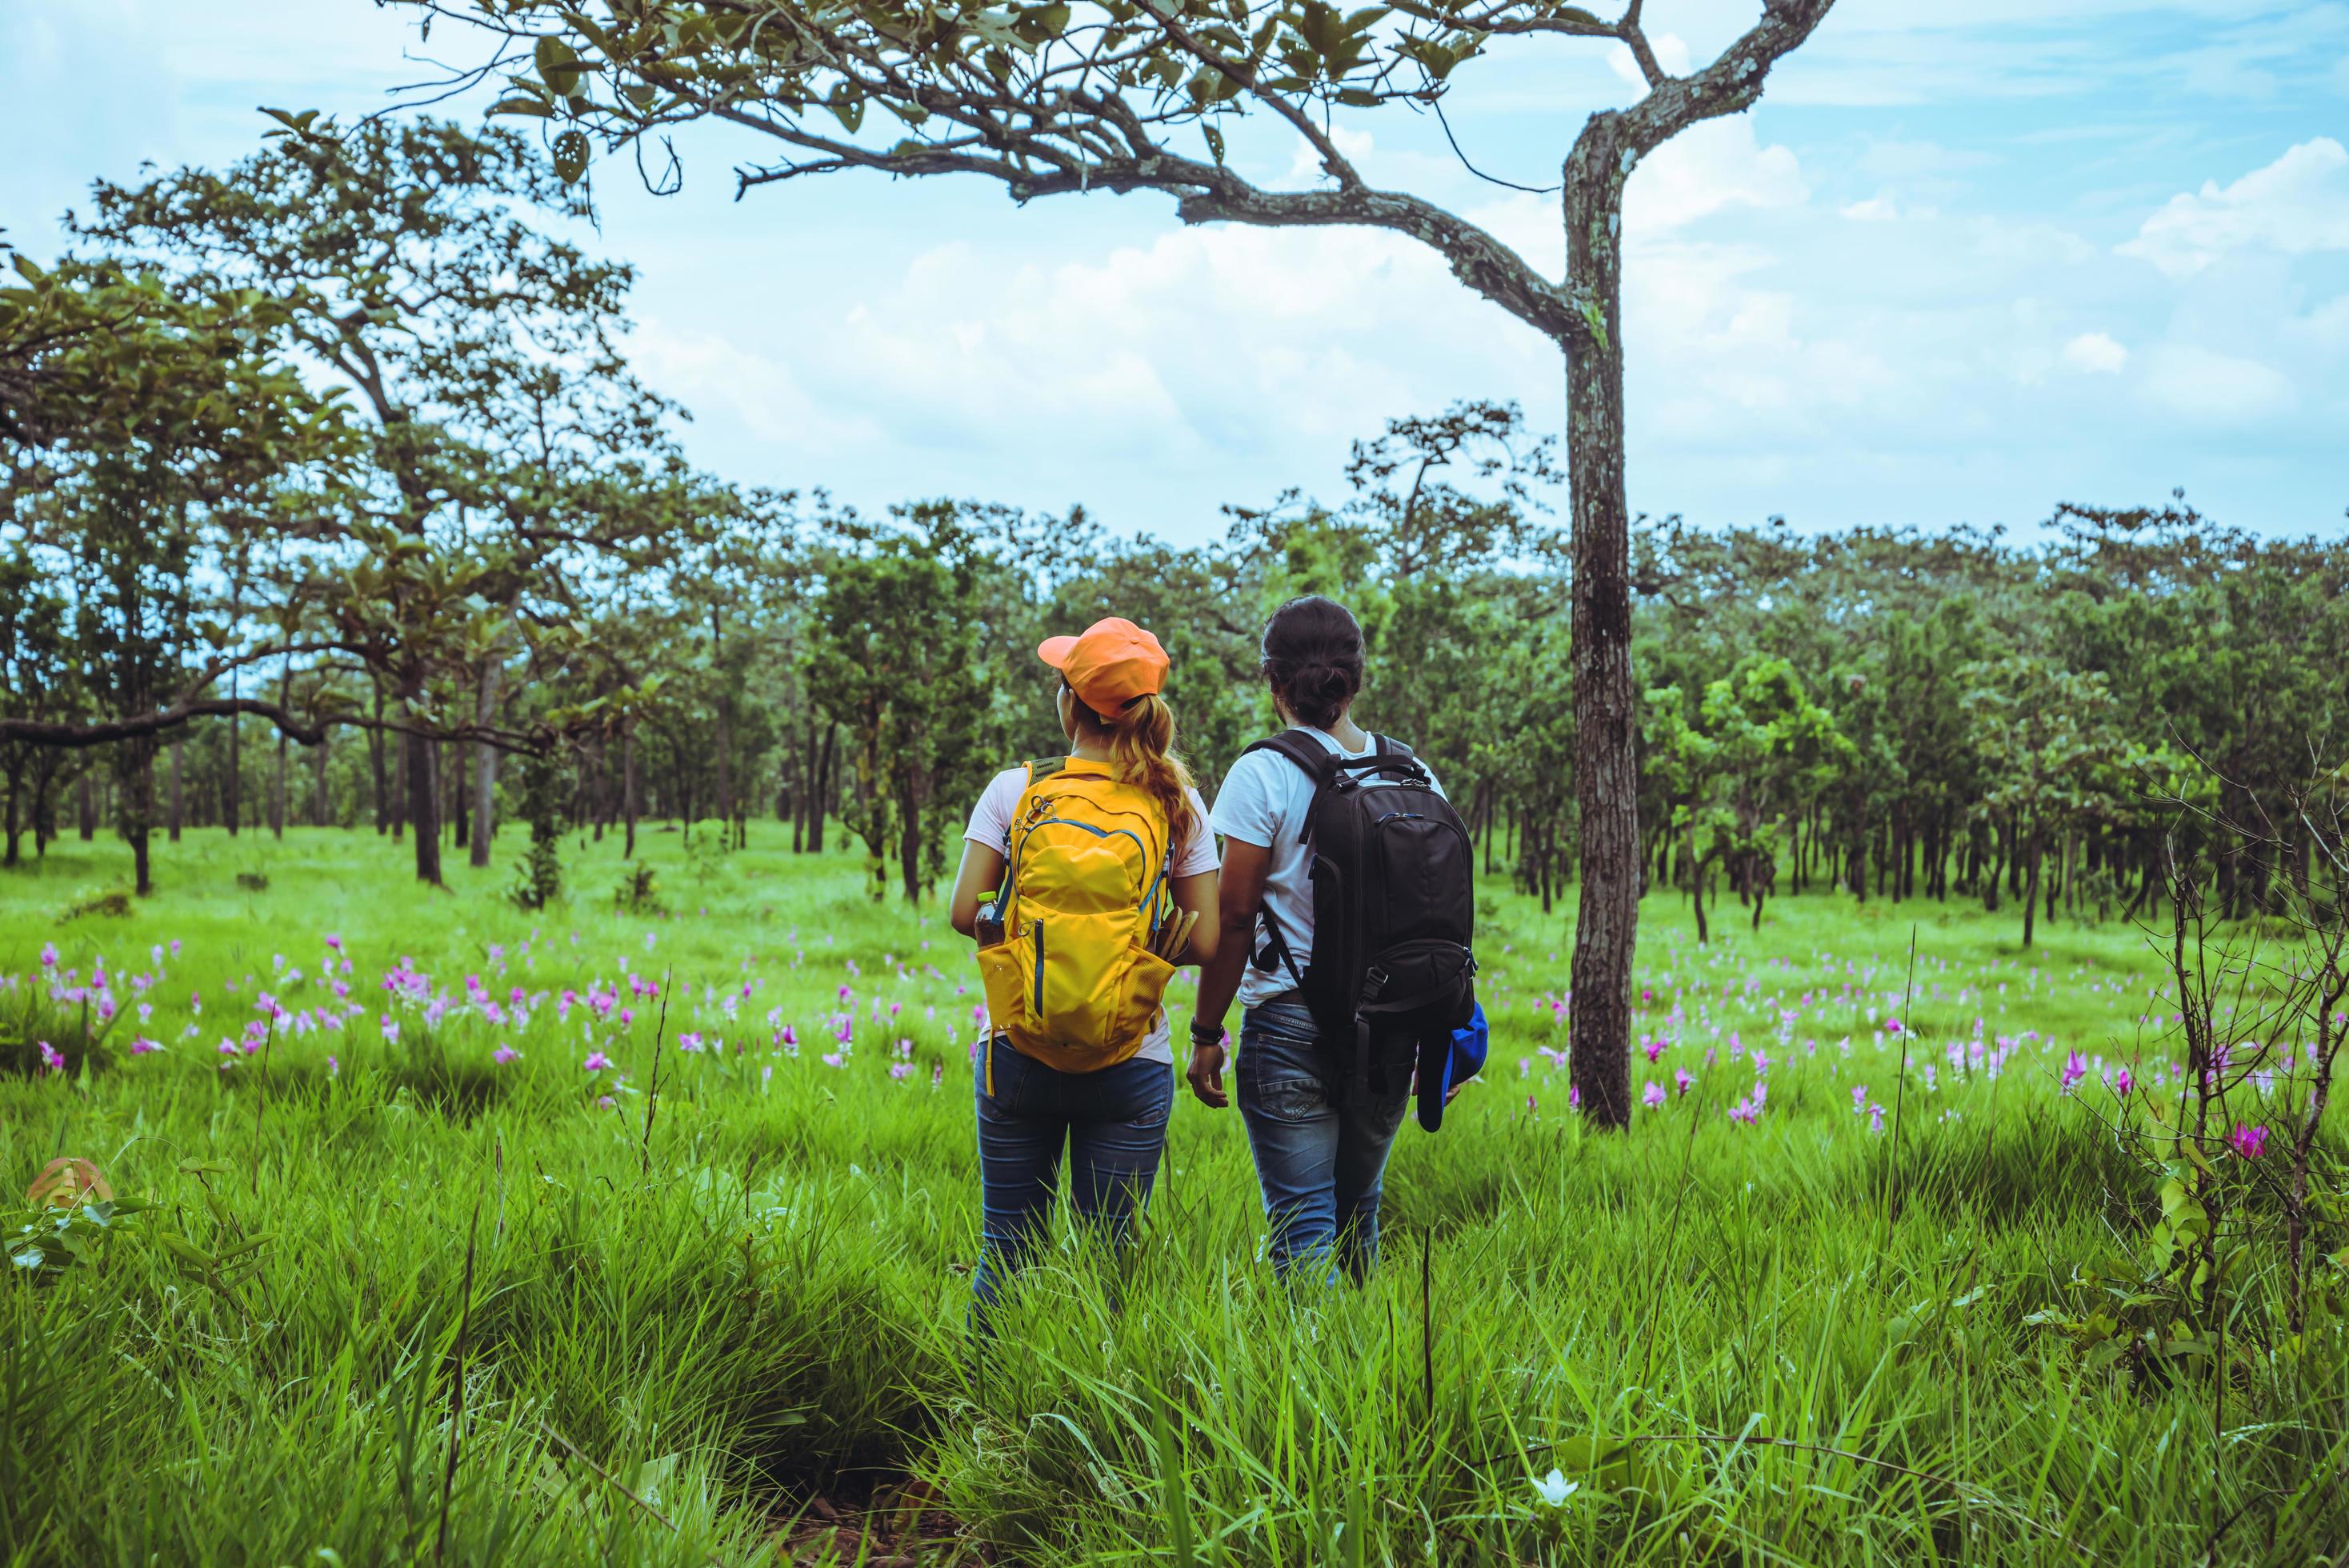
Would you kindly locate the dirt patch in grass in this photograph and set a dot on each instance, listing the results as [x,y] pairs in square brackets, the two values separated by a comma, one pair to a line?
[902,1522]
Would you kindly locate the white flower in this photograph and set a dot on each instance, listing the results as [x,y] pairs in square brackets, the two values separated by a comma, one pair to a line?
[1554,1489]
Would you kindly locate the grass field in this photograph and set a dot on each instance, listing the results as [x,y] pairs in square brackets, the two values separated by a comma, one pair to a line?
[438,1195]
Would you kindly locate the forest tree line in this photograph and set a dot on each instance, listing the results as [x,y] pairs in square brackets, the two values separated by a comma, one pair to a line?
[330,499]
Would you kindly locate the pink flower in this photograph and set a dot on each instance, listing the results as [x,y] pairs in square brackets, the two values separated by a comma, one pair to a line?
[596,1062]
[334,942]
[52,1061]
[688,1042]
[503,1054]
[2075,1068]
[1655,1048]
[832,1059]
[49,955]
[1652,1095]
[605,1102]
[390,1031]
[2250,1142]
[141,1044]
[900,1070]
[1858,1099]
[334,1067]
[2122,1083]
[1682,1081]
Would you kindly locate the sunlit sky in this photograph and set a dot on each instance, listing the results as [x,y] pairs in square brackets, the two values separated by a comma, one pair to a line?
[1964,263]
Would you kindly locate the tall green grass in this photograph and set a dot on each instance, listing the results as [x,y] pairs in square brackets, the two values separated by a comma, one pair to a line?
[680,1332]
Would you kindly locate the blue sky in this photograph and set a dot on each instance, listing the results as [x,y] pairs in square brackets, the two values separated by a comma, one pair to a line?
[1961,263]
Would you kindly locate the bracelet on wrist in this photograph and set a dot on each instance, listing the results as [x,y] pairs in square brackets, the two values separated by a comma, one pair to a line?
[1212,1035]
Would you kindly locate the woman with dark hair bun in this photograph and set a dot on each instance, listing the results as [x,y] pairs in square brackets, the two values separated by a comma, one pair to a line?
[1321,1154]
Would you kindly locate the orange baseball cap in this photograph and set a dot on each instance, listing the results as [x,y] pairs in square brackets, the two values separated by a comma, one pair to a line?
[1112,663]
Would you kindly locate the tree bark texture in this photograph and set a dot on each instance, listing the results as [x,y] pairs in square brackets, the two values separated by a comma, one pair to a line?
[424,800]
[1606,772]
[485,760]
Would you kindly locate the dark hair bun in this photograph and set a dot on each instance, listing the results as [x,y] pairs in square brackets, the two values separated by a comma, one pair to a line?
[1313,658]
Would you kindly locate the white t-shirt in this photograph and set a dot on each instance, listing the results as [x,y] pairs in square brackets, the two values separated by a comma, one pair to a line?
[1263,803]
[991,824]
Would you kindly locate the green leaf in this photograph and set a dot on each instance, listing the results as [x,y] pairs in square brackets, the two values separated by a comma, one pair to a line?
[570,156]
[1214,143]
[186,1251]
[558,66]
[522,105]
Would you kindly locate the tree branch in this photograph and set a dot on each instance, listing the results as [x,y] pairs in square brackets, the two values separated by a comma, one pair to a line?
[1732,83]
[62,736]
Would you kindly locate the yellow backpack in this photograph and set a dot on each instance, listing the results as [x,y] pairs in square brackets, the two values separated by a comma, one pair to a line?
[1074,983]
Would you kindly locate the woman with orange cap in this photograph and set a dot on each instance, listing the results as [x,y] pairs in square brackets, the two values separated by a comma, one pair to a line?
[1084,879]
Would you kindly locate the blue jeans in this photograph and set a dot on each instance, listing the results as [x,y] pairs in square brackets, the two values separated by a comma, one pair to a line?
[1319,1162]
[1113,1125]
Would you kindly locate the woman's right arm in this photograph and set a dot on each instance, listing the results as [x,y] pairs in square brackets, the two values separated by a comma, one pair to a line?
[981,873]
[1239,895]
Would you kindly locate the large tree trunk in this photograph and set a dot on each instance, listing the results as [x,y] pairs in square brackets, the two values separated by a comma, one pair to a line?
[320,808]
[179,799]
[1606,775]
[138,768]
[2031,887]
[15,788]
[232,801]
[85,807]
[628,789]
[820,792]
[424,800]
[909,841]
[277,787]
[485,760]
[375,762]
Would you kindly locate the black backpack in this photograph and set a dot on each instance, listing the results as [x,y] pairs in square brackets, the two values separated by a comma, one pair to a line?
[1394,913]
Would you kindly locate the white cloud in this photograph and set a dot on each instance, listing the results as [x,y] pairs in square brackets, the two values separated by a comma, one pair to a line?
[2094,353]
[1876,209]
[2329,322]
[2298,204]
[1716,165]
[2218,388]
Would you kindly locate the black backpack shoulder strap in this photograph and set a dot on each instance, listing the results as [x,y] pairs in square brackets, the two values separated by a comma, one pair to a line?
[1314,759]
[1390,747]
[1318,763]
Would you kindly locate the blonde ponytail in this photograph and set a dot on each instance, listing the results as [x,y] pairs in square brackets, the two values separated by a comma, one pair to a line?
[1142,753]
